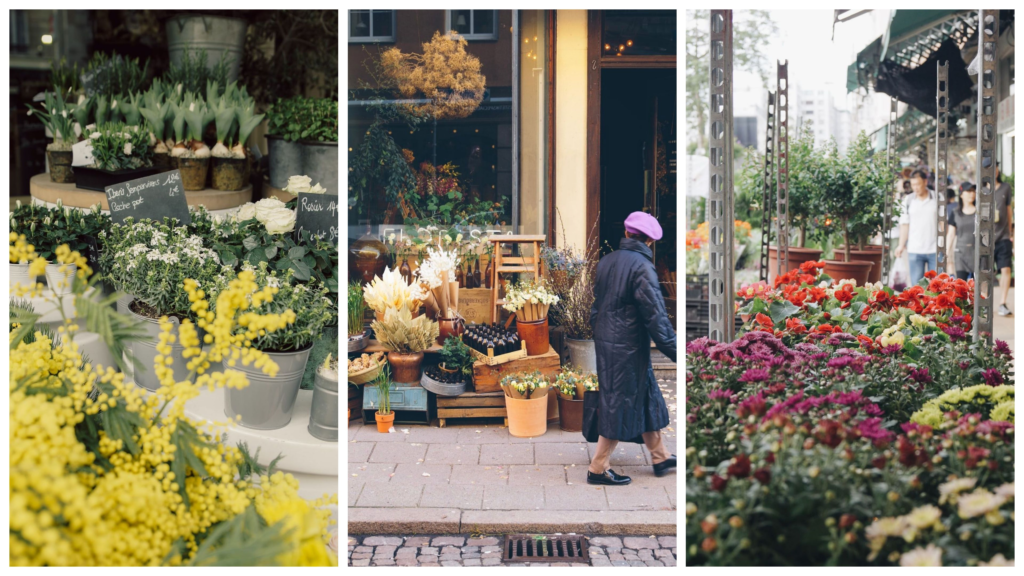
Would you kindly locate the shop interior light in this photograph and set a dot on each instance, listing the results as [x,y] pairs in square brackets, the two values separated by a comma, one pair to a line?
[47,39]
[621,47]
[607,47]
[629,42]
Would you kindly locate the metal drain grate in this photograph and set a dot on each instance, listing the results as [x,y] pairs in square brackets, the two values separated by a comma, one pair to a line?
[545,547]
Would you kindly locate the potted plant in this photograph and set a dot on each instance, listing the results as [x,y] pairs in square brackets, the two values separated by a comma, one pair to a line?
[323,414]
[526,404]
[192,38]
[570,386]
[405,338]
[843,202]
[530,302]
[872,179]
[452,376]
[384,416]
[390,290]
[57,117]
[302,138]
[190,155]
[46,229]
[235,119]
[120,152]
[157,111]
[151,261]
[305,309]
[438,273]
[357,339]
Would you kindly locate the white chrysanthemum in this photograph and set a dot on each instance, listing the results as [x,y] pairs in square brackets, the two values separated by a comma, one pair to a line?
[930,556]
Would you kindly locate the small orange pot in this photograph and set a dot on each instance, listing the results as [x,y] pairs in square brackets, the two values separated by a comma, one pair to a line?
[406,368]
[527,418]
[535,335]
[449,327]
[384,422]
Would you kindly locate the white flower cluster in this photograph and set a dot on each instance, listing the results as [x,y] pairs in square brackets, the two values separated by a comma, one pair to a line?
[298,184]
[522,294]
[270,212]
[438,262]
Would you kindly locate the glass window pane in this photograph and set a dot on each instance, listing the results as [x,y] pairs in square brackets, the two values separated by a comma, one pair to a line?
[382,23]
[639,32]
[462,21]
[359,23]
[483,21]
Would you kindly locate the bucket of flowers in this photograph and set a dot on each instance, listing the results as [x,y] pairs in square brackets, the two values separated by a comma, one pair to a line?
[571,385]
[530,302]
[526,403]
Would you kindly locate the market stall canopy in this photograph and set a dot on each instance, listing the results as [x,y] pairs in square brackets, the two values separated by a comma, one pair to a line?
[916,86]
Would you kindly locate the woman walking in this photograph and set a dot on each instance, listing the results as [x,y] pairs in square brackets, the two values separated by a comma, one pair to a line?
[960,234]
[628,313]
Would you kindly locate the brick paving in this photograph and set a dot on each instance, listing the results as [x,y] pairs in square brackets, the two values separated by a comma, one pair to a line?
[482,550]
[469,473]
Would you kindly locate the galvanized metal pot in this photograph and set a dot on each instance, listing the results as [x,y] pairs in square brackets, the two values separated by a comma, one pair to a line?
[267,402]
[318,160]
[219,36]
[582,354]
[323,416]
[145,352]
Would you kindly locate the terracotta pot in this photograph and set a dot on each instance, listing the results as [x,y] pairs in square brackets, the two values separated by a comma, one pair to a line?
[857,270]
[527,418]
[193,172]
[406,368]
[60,166]
[384,422]
[570,414]
[535,334]
[866,255]
[449,327]
[797,256]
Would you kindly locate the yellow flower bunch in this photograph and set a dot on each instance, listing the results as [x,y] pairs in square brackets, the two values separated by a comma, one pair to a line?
[21,252]
[932,413]
[102,474]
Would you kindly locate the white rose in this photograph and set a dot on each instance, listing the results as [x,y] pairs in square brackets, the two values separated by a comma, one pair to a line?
[317,189]
[280,221]
[298,184]
[265,207]
[246,211]
[127,148]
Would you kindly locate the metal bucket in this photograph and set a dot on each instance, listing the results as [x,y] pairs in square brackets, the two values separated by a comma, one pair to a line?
[218,35]
[323,416]
[146,353]
[582,354]
[318,160]
[123,302]
[61,283]
[266,403]
[19,275]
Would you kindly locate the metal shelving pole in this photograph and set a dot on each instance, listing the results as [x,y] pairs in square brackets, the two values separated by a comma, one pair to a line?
[941,148]
[984,266]
[766,202]
[721,293]
[782,169]
[890,136]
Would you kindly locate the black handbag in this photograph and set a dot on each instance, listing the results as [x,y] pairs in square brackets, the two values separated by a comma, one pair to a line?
[591,407]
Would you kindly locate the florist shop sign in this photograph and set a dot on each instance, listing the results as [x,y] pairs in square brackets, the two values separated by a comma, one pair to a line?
[318,215]
[152,197]
[432,235]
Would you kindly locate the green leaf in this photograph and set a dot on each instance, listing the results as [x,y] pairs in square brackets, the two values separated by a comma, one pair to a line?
[256,256]
[297,252]
[250,243]
[780,310]
[270,252]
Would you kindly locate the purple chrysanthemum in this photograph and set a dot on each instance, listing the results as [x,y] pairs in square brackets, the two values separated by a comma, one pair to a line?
[992,377]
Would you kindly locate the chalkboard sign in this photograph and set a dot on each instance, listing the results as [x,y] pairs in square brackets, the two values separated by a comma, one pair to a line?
[152,197]
[318,215]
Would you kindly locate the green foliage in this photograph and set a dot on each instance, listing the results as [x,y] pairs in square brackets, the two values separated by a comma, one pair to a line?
[300,118]
[58,116]
[47,228]
[382,382]
[114,76]
[456,356]
[313,311]
[873,179]
[326,344]
[356,309]
[304,60]
[66,79]
[244,540]
[121,147]
[193,75]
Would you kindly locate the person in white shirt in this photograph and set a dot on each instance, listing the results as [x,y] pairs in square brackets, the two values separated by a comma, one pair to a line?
[918,227]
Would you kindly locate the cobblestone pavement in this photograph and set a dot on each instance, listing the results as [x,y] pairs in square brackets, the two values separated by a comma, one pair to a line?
[466,550]
[469,469]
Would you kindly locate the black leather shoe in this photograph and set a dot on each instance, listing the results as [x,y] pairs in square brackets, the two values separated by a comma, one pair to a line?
[609,478]
[663,468]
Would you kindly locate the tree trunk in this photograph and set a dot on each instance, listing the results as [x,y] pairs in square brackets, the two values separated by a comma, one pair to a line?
[803,235]
[846,238]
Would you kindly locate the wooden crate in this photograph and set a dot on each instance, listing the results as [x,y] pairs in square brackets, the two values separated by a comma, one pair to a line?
[472,405]
[487,378]
[355,401]
[491,360]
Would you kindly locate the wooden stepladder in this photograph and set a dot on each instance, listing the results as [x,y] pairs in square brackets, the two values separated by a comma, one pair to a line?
[513,264]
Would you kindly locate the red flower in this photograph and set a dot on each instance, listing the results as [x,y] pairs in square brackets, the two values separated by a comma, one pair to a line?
[718,483]
[763,475]
[740,467]
[865,340]
[847,520]
[765,322]
[811,267]
[929,274]
[878,462]
[795,325]
[845,294]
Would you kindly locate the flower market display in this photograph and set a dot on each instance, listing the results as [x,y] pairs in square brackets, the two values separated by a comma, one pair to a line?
[850,425]
[239,306]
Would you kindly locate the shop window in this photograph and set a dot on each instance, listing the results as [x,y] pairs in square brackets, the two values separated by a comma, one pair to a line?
[371,26]
[638,33]
[474,24]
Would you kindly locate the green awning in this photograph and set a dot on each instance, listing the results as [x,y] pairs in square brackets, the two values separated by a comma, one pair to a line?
[903,23]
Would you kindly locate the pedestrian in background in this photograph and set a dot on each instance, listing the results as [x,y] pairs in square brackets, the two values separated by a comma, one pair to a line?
[1003,234]
[918,227]
[961,232]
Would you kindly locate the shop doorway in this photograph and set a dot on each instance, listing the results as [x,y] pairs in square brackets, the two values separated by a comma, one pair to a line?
[637,162]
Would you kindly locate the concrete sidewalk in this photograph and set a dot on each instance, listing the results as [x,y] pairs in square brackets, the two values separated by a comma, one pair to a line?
[473,477]
[1002,326]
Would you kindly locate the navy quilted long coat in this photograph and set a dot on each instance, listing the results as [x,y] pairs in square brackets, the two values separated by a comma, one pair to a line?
[628,313]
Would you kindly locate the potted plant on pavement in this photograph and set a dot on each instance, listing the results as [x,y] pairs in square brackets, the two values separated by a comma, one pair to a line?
[266,404]
[151,261]
[530,302]
[405,338]
[575,306]
[526,403]
[570,385]
[843,202]
[384,416]
[58,119]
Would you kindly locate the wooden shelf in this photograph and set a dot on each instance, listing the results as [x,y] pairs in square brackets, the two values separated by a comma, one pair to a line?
[45,190]
[374,346]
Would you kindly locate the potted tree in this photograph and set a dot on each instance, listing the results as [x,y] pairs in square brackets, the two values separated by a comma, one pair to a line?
[384,416]
[843,202]
[575,316]
[405,338]
[526,404]
[303,311]
[872,177]
[570,386]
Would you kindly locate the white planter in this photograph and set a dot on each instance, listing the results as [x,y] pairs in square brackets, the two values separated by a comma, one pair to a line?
[19,275]
[60,282]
